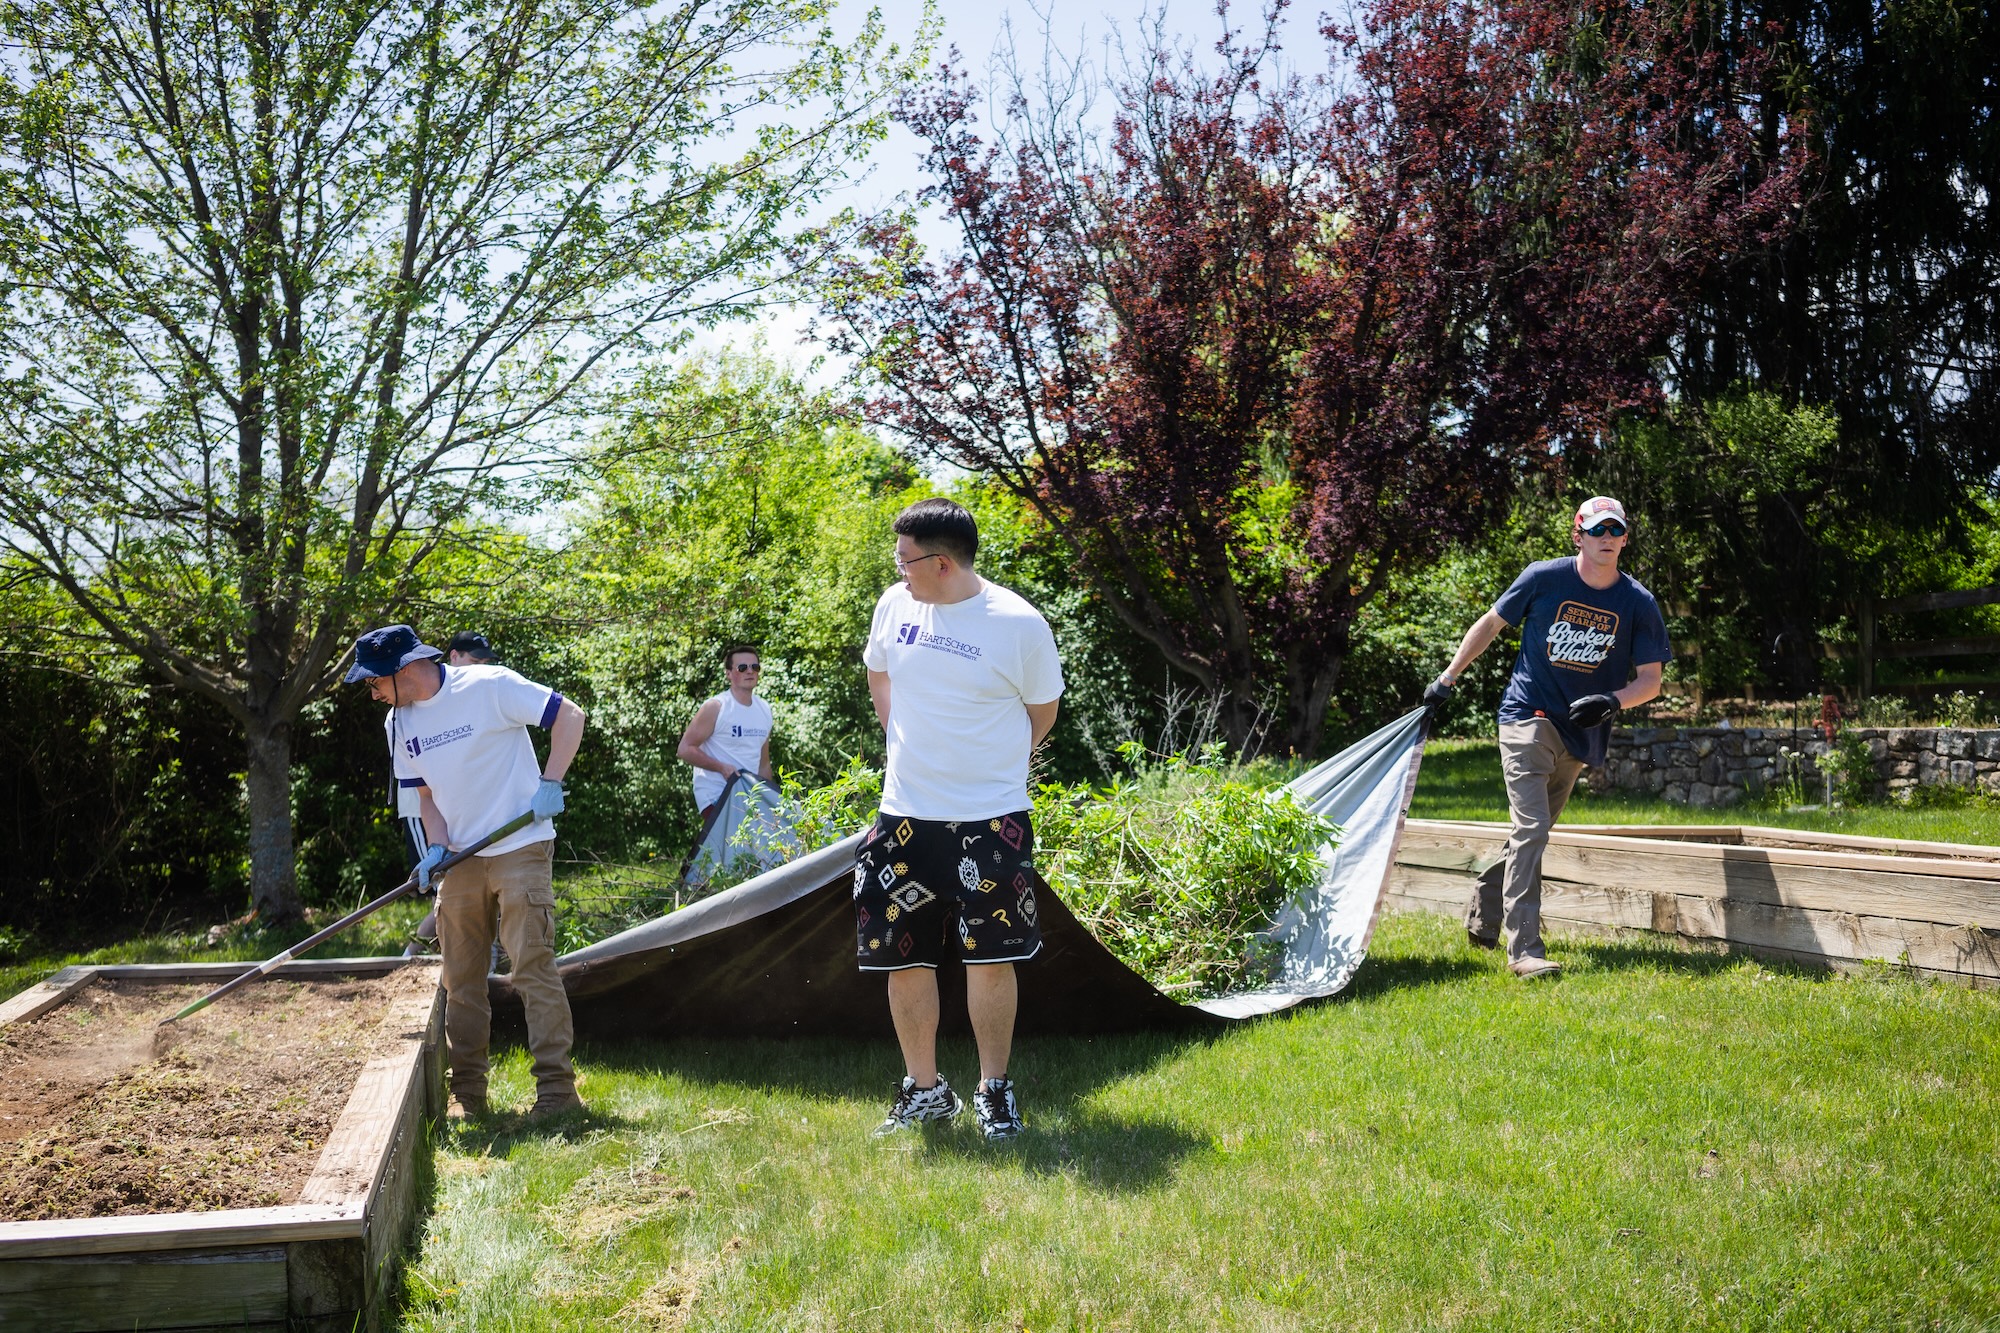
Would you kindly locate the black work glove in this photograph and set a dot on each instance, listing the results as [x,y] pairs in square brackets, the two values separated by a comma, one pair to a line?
[1436,695]
[1592,709]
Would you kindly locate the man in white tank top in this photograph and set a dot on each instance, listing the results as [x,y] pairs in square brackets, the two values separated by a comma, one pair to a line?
[731,733]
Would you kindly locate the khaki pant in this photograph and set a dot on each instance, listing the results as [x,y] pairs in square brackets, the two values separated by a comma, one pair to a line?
[515,888]
[1540,773]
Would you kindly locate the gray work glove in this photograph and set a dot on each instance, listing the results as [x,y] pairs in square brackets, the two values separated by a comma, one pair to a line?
[427,865]
[548,801]
[1592,709]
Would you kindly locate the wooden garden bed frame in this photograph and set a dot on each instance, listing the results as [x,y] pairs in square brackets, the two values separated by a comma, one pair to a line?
[323,1264]
[1822,898]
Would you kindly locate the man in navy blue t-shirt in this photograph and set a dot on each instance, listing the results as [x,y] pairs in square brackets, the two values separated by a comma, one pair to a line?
[1592,642]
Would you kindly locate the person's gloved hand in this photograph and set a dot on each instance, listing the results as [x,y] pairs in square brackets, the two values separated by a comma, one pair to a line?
[1592,709]
[548,802]
[1436,695]
[427,865]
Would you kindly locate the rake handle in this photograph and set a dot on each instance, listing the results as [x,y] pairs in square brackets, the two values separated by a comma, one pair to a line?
[320,937]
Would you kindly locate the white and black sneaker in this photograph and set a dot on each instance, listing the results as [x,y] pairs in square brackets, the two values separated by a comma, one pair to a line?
[999,1114]
[915,1105]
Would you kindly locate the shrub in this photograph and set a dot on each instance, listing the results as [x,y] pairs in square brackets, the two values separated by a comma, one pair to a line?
[1179,869]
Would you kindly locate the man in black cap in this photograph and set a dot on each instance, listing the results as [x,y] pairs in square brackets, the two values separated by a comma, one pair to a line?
[470,648]
[459,737]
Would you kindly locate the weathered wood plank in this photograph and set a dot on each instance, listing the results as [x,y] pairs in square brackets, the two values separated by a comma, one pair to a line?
[1969,951]
[178,1231]
[1917,887]
[309,967]
[100,1293]
[327,1285]
[1977,851]
[1723,835]
[45,995]
[393,1209]
[354,1151]
[1962,952]
[1746,877]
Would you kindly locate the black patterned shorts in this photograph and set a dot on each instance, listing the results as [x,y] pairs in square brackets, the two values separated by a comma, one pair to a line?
[915,880]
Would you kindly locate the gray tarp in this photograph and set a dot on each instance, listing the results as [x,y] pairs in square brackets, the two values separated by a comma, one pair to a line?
[775,955]
[749,829]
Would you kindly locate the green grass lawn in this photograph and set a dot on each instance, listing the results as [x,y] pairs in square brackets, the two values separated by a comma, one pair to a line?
[1461,780]
[1658,1140]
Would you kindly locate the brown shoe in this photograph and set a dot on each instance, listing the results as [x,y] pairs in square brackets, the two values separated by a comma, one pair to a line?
[466,1106]
[1530,968]
[1481,942]
[555,1103]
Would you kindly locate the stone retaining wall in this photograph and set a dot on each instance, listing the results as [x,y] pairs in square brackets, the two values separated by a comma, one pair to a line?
[1720,766]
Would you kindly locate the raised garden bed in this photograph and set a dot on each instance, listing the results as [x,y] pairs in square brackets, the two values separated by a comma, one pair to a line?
[1823,898]
[255,1168]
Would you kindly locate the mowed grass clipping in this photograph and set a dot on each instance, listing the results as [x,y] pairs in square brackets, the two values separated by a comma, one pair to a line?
[1659,1139]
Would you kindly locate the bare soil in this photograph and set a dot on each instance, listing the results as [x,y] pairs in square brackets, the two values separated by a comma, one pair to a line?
[227,1109]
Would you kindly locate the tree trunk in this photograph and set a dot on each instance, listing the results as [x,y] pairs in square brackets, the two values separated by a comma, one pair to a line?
[274,889]
[1299,727]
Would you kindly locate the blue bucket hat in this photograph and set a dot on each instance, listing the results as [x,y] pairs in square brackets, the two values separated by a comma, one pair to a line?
[385,651]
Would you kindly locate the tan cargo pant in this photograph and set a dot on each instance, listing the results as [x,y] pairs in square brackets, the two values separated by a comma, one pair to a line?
[1540,773]
[515,889]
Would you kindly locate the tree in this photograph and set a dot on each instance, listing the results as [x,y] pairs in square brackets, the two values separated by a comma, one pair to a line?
[288,290]
[1274,341]
[1879,307]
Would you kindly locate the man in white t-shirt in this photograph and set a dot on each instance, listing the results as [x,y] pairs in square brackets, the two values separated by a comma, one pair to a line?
[730,733]
[459,736]
[966,682]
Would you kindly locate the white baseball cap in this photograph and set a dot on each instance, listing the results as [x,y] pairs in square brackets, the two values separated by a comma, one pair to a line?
[1598,508]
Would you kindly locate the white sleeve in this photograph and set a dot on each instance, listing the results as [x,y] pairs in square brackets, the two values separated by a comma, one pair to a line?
[1041,668]
[875,653]
[521,701]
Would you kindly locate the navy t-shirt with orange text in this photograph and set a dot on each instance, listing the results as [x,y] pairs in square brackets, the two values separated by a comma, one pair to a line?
[1576,640]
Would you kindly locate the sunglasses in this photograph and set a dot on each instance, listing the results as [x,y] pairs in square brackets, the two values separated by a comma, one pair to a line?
[1610,527]
[748,666]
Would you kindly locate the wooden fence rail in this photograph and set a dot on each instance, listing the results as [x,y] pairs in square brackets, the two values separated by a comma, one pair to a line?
[1872,648]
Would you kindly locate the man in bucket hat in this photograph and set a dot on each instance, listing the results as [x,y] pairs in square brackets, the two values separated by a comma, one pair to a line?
[459,736]
[1592,642]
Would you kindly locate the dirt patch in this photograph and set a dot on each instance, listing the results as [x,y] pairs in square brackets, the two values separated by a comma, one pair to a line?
[231,1112]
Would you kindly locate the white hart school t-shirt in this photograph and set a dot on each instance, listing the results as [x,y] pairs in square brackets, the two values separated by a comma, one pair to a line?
[960,679]
[469,744]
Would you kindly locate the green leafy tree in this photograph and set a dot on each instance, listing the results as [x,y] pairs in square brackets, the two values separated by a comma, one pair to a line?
[732,505]
[288,291]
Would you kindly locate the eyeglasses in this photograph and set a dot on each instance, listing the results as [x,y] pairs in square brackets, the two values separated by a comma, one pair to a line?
[903,566]
[748,666]
[1610,527]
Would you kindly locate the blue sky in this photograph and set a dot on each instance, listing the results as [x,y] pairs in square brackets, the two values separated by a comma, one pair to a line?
[977,27]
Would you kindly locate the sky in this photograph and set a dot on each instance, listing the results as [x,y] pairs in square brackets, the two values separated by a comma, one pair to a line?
[977,27]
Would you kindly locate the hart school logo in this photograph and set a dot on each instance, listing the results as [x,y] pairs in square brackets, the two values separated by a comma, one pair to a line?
[1581,637]
[913,634]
